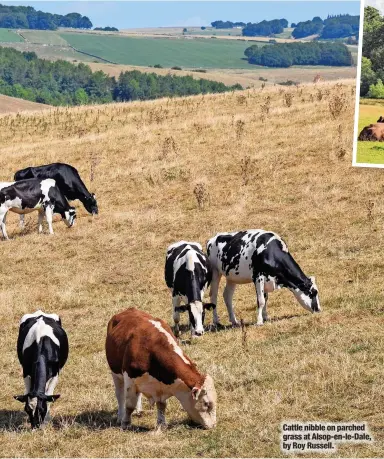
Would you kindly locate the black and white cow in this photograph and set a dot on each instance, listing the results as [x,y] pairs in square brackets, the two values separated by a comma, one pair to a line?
[188,274]
[42,349]
[67,179]
[260,257]
[35,195]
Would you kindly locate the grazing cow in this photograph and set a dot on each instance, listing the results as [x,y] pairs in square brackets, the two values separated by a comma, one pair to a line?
[34,194]
[144,358]
[42,349]
[188,273]
[260,257]
[373,132]
[67,179]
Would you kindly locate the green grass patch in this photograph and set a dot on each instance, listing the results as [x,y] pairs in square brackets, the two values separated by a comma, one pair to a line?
[186,53]
[370,152]
[8,36]
[44,37]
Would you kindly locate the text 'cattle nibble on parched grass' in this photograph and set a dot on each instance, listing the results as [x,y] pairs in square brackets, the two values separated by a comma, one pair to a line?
[321,437]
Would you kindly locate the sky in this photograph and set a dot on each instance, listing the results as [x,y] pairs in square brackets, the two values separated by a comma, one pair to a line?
[379,4]
[135,14]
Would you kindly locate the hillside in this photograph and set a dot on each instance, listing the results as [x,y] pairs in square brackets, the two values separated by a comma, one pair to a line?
[273,159]
[11,105]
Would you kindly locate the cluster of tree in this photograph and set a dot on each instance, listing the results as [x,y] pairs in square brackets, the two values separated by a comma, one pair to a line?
[287,54]
[26,17]
[372,64]
[306,28]
[26,76]
[340,26]
[265,28]
[226,24]
[107,29]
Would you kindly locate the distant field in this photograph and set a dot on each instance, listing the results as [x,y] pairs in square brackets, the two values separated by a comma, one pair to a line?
[13,105]
[286,34]
[147,51]
[245,77]
[52,53]
[9,36]
[370,152]
[44,37]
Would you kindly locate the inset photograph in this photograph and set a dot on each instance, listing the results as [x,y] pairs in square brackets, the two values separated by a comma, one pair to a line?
[370,131]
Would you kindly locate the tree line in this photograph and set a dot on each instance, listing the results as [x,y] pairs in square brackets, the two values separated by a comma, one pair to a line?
[107,29]
[372,63]
[288,54]
[340,26]
[26,17]
[226,24]
[265,28]
[24,75]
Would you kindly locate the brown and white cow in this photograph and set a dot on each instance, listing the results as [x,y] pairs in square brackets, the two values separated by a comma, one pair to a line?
[144,358]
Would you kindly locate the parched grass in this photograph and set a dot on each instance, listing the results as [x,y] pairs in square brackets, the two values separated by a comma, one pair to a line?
[298,182]
[370,152]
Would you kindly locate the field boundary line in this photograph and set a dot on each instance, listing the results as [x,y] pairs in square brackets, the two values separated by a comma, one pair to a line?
[93,55]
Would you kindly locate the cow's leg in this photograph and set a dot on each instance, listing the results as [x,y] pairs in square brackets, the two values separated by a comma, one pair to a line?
[176,300]
[216,276]
[22,221]
[265,314]
[261,301]
[40,221]
[139,405]
[131,400]
[161,407]
[49,388]
[228,297]
[3,218]
[118,380]
[49,216]
[27,384]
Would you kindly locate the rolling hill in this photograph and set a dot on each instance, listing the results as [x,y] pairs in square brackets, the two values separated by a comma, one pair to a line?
[279,159]
[12,105]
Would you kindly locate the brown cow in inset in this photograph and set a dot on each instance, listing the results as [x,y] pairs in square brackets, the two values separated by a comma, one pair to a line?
[144,358]
[373,132]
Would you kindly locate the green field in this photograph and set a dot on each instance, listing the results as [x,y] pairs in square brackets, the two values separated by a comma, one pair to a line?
[8,36]
[44,37]
[189,53]
[370,152]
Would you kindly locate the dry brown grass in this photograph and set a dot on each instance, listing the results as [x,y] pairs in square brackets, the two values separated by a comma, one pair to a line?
[284,174]
[12,105]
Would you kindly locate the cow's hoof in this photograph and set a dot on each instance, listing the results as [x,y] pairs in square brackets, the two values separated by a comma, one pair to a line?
[126,426]
[159,429]
[259,324]
[236,324]
[216,327]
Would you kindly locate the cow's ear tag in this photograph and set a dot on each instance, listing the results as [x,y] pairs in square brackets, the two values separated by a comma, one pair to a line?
[195,393]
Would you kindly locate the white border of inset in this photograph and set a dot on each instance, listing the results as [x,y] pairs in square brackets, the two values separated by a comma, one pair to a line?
[357,104]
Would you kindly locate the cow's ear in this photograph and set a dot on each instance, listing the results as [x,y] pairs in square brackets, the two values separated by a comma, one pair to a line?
[196,392]
[52,398]
[209,306]
[182,308]
[21,398]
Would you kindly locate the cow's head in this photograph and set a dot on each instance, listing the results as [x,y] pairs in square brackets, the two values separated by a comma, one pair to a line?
[196,311]
[200,404]
[69,216]
[308,295]
[91,205]
[36,406]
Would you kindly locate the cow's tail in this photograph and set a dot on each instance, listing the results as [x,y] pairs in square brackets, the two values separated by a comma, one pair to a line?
[190,261]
